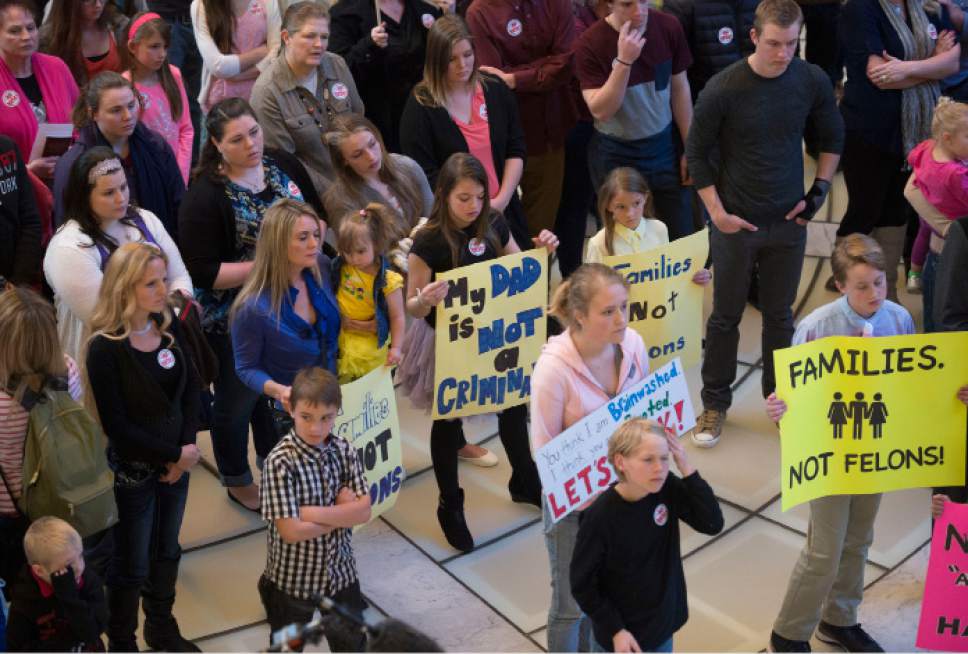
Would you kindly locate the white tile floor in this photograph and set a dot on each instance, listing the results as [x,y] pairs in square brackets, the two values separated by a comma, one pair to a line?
[496,598]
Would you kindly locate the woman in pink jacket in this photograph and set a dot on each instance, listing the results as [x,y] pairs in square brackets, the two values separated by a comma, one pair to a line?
[593,360]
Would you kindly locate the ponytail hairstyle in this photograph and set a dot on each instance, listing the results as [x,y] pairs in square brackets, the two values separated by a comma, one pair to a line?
[81,181]
[221,23]
[460,166]
[624,179]
[375,222]
[145,25]
[88,101]
[574,295]
[63,31]
[224,112]
[949,116]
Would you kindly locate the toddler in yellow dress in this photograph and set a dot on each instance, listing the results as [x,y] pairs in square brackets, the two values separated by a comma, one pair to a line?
[369,294]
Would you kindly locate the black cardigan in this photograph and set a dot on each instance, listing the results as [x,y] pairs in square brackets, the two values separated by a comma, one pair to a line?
[140,422]
[206,220]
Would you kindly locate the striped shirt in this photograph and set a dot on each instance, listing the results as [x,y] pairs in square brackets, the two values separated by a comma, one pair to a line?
[13,433]
[297,474]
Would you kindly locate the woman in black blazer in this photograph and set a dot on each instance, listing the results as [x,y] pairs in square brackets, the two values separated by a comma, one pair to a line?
[455,108]
[145,388]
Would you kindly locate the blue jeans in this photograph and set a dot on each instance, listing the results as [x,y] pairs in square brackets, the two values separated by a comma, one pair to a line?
[183,54]
[777,249]
[657,159]
[236,407]
[569,630]
[663,647]
[149,519]
[928,275]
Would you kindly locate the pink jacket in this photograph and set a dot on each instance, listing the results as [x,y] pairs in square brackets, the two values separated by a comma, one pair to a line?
[157,117]
[563,390]
[58,89]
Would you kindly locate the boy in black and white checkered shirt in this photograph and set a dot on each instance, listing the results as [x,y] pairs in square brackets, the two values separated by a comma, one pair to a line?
[313,493]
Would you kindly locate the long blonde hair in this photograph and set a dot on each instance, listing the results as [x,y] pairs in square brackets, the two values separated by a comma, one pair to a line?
[270,270]
[31,352]
[116,301]
[446,32]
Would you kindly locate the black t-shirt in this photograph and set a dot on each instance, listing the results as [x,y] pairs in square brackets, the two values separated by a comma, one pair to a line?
[31,89]
[431,246]
[155,363]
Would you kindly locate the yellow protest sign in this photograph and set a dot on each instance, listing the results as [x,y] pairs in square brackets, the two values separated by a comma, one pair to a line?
[490,330]
[368,420]
[665,306]
[868,415]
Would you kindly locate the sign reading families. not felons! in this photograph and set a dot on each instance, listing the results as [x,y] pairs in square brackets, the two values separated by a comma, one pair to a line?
[869,415]
[490,329]
[574,465]
[944,609]
[368,420]
[665,306]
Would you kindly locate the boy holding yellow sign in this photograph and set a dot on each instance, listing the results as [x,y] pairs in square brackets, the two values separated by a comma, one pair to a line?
[827,583]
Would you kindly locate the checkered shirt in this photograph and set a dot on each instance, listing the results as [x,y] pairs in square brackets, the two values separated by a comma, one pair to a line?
[297,474]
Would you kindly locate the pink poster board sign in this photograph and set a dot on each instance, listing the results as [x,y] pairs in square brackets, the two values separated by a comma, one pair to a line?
[944,610]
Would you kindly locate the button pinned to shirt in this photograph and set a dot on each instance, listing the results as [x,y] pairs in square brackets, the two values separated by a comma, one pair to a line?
[725,35]
[11,98]
[427,20]
[514,27]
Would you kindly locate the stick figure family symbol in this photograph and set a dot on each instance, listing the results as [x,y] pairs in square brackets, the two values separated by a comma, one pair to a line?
[856,412]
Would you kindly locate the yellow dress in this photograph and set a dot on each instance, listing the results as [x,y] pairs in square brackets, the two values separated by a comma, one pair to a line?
[358,351]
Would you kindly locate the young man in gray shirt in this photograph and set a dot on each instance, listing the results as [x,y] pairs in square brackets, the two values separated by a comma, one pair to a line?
[755,111]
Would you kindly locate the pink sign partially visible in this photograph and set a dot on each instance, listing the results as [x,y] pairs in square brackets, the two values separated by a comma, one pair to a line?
[944,610]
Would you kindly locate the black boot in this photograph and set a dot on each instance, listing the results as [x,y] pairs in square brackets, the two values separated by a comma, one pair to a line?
[161,630]
[450,515]
[123,618]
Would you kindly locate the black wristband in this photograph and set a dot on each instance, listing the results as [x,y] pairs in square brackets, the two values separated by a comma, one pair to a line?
[814,199]
[624,63]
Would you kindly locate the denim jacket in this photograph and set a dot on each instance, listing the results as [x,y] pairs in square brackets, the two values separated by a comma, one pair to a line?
[379,299]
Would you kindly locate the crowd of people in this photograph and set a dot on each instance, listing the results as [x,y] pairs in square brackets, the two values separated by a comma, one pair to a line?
[257,197]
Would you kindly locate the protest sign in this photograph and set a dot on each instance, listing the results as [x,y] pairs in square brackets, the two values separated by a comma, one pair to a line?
[944,609]
[574,465]
[368,420]
[869,415]
[665,306]
[490,330]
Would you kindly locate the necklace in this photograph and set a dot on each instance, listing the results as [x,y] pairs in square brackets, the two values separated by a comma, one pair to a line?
[256,186]
[144,330]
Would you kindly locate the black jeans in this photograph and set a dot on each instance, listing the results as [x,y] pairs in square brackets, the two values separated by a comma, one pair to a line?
[236,407]
[577,196]
[283,609]
[447,436]
[777,250]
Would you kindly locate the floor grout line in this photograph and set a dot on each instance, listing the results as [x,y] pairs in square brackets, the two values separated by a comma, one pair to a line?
[488,543]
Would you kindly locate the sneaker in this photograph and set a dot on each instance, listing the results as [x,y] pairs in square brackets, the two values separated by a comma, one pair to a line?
[780,644]
[851,639]
[914,283]
[709,427]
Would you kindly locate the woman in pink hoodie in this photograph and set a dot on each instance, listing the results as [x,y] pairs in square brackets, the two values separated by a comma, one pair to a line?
[593,360]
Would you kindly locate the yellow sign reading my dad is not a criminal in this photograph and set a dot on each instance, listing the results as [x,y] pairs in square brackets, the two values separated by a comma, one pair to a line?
[489,333]
[665,306]
[868,415]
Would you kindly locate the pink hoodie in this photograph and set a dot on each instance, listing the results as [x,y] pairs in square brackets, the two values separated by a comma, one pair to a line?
[563,389]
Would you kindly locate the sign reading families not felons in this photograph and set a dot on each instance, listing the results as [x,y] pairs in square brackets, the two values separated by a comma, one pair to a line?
[869,415]
[574,466]
[490,329]
[665,306]
[368,420]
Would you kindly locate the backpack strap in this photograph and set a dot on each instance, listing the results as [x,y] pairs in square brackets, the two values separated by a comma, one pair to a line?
[13,500]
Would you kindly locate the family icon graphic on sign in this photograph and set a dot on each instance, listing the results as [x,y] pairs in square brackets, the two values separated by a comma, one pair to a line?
[857,411]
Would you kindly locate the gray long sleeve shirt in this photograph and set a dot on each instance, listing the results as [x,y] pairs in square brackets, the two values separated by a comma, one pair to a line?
[757,124]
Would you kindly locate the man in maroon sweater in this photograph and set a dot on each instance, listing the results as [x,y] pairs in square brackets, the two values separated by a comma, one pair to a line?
[528,44]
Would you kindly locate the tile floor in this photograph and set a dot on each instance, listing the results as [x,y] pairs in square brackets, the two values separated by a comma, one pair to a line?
[496,598]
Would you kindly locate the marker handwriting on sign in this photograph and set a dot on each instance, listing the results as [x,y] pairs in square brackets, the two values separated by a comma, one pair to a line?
[512,281]
[849,361]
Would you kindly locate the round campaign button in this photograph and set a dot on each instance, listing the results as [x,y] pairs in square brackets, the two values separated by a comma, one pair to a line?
[427,20]
[514,27]
[340,92]
[166,359]
[293,189]
[725,35]
[11,98]
[932,32]
[660,515]
[482,112]
[476,246]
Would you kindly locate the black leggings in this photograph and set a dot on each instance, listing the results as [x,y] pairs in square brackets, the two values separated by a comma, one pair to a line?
[447,437]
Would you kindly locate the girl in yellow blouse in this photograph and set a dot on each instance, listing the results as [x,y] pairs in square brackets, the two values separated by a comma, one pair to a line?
[369,294]
[622,203]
